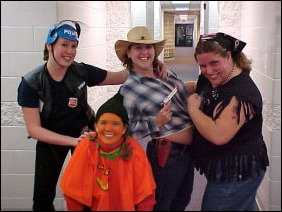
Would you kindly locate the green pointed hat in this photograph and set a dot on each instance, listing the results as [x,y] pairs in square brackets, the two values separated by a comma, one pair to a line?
[114,105]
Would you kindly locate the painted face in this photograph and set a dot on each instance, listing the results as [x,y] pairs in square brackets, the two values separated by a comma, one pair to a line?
[214,67]
[110,128]
[64,51]
[142,56]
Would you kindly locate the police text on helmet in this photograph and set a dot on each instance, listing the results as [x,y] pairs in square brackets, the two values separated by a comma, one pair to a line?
[70,32]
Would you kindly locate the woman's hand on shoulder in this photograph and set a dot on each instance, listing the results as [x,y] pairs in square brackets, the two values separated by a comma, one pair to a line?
[191,86]
[91,135]
[193,102]
[82,136]
[162,70]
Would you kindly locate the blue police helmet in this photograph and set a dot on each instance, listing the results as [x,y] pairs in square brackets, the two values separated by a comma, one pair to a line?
[63,30]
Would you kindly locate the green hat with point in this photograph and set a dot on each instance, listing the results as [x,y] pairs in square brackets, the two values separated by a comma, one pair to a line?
[114,105]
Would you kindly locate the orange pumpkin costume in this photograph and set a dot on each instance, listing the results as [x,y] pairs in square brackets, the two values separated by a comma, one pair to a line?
[106,184]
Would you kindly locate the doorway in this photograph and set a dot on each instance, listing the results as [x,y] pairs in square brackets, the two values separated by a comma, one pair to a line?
[184,35]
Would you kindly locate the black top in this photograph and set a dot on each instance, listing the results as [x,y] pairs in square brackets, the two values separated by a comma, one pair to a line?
[246,153]
[63,119]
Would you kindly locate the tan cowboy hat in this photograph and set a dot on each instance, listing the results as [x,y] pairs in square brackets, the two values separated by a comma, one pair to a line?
[139,34]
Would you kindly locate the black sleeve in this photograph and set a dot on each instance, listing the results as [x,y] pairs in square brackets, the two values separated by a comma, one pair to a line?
[27,97]
[201,83]
[95,75]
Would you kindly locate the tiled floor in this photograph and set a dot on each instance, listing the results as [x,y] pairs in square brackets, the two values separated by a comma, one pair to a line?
[185,67]
[198,191]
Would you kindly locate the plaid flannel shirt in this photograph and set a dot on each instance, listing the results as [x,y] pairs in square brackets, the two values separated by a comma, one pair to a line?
[143,97]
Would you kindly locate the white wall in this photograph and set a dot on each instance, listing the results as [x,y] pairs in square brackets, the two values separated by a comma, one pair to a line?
[158,25]
[263,35]
[149,14]
[138,13]
[22,39]
[117,24]
[259,24]
[229,17]
[157,20]
[202,18]
[213,17]
[24,26]
[209,17]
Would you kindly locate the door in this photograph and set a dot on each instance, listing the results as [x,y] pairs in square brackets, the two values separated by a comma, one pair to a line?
[184,35]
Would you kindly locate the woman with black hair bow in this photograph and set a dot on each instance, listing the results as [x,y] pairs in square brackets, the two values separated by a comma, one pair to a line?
[226,110]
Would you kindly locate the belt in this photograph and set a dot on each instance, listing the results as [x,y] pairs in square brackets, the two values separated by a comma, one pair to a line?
[174,144]
[164,148]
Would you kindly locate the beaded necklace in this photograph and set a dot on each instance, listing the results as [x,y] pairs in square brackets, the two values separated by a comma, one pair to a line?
[229,75]
[214,92]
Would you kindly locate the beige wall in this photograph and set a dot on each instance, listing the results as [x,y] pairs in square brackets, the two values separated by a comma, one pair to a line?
[23,30]
[24,26]
[261,29]
[259,24]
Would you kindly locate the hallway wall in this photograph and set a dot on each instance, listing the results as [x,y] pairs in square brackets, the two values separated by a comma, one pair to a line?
[24,26]
[23,31]
[259,24]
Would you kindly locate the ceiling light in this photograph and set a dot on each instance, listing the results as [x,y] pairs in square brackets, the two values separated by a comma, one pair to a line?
[180,2]
[181,9]
[180,5]
[183,17]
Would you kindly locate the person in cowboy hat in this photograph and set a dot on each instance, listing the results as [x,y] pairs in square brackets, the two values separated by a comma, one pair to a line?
[109,171]
[158,116]
[228,145]
[53,98]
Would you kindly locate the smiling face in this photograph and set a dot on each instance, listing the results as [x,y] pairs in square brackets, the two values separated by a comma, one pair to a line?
[110,128]
[142,56]
[64,51]
[214,67]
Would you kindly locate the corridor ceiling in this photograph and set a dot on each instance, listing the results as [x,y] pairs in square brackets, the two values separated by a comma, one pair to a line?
[167,6]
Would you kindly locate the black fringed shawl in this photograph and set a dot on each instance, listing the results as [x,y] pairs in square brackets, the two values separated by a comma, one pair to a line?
[245,154]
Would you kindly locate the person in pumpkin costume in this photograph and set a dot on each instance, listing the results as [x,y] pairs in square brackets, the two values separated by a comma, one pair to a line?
[109,170]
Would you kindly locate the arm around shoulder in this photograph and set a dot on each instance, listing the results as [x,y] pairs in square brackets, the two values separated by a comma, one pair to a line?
[115,78]
[191,86]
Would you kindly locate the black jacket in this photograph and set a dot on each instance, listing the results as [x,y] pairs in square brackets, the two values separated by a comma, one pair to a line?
[76,73]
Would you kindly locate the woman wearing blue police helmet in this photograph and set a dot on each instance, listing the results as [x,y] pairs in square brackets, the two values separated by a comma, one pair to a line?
[53,98]
[58,30]
[67,29]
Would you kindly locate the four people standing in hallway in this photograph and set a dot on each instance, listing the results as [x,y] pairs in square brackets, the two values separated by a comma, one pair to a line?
[166,125]
[226,110]
[54,102]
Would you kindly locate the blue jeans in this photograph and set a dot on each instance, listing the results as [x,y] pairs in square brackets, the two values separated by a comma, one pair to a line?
[233,196]
[175,180]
